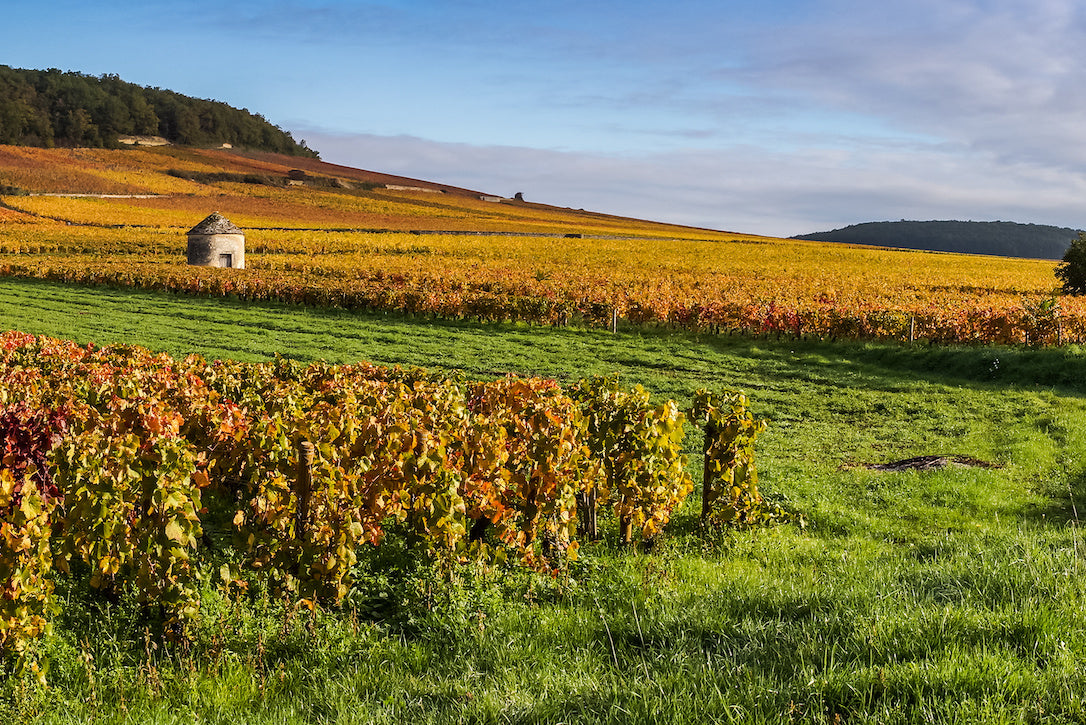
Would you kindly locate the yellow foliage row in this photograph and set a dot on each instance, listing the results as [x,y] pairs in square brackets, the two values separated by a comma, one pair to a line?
[783,272]
[689,285]
[45,236]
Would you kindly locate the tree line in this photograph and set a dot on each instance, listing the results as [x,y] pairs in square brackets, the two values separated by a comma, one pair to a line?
[1004,239]
[49,108]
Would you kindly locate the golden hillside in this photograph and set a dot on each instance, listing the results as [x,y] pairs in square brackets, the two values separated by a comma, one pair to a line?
[318,233]
[175,187]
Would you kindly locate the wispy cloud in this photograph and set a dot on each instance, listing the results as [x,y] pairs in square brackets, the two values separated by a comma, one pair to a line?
[996,76]
[745,189]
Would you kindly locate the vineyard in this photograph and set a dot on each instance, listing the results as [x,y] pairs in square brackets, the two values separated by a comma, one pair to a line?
[186,539]
[443,252]
[115,458]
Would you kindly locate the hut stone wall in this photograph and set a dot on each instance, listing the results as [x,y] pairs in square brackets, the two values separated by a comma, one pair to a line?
[215,242]
[217,250]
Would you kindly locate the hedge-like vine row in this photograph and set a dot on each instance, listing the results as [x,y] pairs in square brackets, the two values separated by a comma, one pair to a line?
[114,456]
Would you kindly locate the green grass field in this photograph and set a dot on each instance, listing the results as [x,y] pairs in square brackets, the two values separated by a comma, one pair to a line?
[939,596]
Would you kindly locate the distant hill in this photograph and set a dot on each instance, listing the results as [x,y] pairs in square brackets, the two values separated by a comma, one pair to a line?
[54,108]
[1004,239]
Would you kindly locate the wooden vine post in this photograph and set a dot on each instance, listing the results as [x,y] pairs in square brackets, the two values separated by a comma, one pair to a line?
[587,523]
[625,530]
[708,470]
[304,482]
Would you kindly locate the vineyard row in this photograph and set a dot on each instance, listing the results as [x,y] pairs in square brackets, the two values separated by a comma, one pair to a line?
[116,460]
[1043,320]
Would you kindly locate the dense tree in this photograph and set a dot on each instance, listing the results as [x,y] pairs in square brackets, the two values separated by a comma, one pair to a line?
[51,107]
[1071,272]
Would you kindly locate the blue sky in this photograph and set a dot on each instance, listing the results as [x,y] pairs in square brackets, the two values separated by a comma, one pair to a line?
[771,116]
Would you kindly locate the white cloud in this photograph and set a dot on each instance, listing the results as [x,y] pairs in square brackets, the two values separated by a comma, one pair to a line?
[997,76]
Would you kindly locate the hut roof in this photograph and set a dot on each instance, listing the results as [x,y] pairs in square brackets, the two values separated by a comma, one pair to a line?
[215,223]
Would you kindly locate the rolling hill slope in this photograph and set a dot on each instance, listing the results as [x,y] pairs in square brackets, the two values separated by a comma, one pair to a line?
[169,186]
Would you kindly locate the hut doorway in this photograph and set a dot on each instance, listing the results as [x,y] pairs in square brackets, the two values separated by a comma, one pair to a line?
[226,260]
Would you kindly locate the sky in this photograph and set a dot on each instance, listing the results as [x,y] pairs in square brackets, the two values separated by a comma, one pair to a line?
[775,117]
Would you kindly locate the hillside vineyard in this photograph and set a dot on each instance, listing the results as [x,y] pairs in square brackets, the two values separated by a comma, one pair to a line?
[319,234]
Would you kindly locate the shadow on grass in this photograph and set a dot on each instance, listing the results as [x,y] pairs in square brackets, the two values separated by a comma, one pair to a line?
[887,365]
[343,334]
[1065,503]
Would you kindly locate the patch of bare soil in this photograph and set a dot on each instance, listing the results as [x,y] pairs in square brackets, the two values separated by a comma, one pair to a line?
[930,463]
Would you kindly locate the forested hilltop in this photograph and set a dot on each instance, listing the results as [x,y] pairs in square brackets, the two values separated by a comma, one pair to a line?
[1005,239]
[55,108]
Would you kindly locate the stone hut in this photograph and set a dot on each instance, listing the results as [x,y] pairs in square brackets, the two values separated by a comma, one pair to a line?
[216,242]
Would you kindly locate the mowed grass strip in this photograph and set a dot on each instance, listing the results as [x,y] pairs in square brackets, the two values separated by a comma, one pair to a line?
[954,595]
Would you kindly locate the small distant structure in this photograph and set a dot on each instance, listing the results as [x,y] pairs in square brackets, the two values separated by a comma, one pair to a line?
[296,177]
[488,197]
[216,242]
